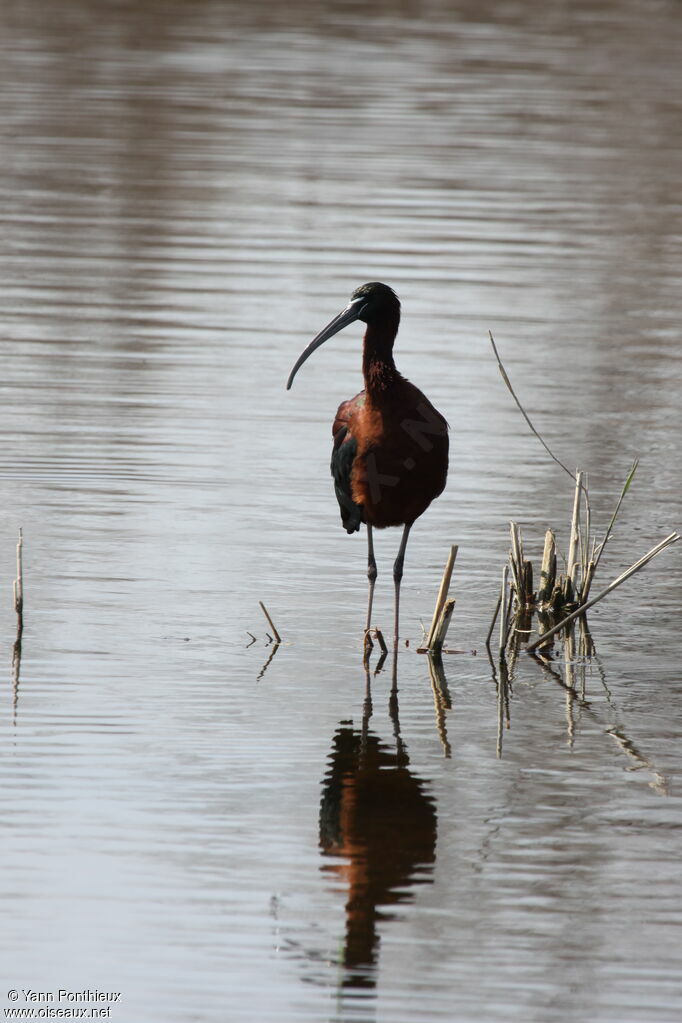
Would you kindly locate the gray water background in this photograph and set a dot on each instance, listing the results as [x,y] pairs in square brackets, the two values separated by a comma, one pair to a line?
[189,191]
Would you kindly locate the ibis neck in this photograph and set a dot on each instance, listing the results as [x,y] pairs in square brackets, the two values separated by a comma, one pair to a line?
[378,367]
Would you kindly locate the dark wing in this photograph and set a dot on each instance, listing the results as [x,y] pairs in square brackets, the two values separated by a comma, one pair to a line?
[343,455]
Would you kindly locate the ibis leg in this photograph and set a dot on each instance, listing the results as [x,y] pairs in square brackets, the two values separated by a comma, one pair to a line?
[397,576]
[372,577]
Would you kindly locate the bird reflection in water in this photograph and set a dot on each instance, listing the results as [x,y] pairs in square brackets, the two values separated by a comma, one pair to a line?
[377,819]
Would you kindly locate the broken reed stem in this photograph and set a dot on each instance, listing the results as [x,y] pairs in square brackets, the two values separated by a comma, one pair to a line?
[278,638]
[442,626]
[18,585]
[669,540]
[547,570]
[442,595]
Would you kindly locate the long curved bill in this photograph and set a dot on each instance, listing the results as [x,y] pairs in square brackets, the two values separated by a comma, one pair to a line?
[349,314]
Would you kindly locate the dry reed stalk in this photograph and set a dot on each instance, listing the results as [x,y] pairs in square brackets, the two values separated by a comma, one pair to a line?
[516,562]
[504,610]
[643,561]
[587,582]
[573,563]
[522,409]
[492,624]
[511,618]
[528,583]
[442,594]
[585,540]
[278,638]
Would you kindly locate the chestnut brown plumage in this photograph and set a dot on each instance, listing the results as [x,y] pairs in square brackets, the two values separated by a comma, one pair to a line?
[390,454]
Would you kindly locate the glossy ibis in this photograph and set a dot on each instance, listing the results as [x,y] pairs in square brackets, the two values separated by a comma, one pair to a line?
[390,454]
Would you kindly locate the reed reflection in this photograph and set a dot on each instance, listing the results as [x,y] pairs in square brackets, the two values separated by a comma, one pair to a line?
[576,655]
[18,590]
[378,824]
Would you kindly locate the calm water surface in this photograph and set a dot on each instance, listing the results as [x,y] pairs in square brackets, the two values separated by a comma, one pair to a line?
[188,192]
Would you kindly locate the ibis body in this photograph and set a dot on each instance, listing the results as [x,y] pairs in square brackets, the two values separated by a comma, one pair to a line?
[390,454]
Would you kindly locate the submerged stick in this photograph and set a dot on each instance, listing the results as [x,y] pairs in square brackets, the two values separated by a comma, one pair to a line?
[278,638]
[442,594]
[669,540]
